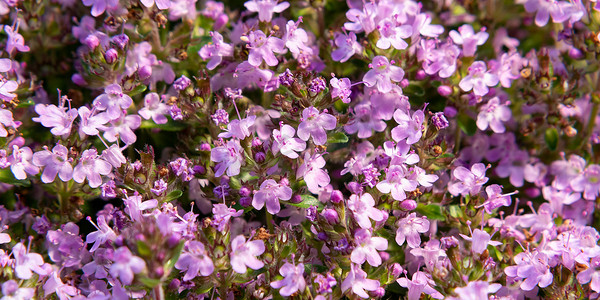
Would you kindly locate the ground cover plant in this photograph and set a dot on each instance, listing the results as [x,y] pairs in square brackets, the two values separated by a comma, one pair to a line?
[315,149]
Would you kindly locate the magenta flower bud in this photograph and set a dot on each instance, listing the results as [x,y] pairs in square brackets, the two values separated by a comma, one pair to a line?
[92,41]
[119,241]
[246,201]
[532,192]
[450,111]
[355,188]
[448,242]
[121,40]
[224,179]
[444,90]
[259,157]
[379,292]
[78,79]
[256,143]
[384,255]
[159,271]
[296,199]
[575,53]
[408,205]
[404,83]
[322,236]
[198,169]
[221,20]
[173,240]
[205,147]
[245,191]
[145,72]
[396,270]
[284,181]
[330,215]
[174,284]
[111,55]
[420,75]
[337,196]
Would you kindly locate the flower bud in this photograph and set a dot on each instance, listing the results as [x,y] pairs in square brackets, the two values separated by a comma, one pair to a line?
[173,240]
[450,111]
[420,75]
[408,204]
[322,236]
[111,55]
[404,83]
[330,215]
[575,53]
[245,201]
[78,79]
[444,90]
[259,157]
[145,72]
[245,191]
[296,199]
[379,292]
[396,270]
[336,196]
[121,40]
[91,41]
[384,255]
[159,271]
[284,181]
[198,169]
[355,187]
[174,284]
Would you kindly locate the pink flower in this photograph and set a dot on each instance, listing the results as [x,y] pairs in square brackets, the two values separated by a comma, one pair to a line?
[293,280]
[91,122]
[122,127]
[285,142]
[470,182]
[358,281]
[533,267]
[126,265]
[493,114]
[134,206]
[113,101]
[364,122]
[467,37]
[161,4]
[91,166]
[59,118]
[271,192]
[409,128]
[367,247]
[20,162]
[409,228]
[588,182]
[239,129]
[392,35]
[55,162]
[382,74]
[215,51]
[266,8]
[314,124]
[6,119]
[363,209]
[480,240]
[154,108]
[99,6]
[26,262]
[296,38]
[312,173]
[478,79]
[397,183]
[101,235]
[362,19]
[229,157]
[7,87]
[341,88]
[346,47]
[421,283]
[244,254]
[262,48]
[15,40]
[476,290]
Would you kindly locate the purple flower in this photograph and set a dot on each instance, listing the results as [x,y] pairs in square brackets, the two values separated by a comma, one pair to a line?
[160,186]
[220,117]
[7,87]
[161,4]
[358,281]
[215,50]
[229,157]
[364,122]
[392,35]
[493,114]
[514,164]
[544,9]
[55,285]
[271,192]
[422,26]
[421,283]
[222,214]
[441,59]
[397,183]
[6,119]
[103,233]
[20,162]
[467,37]
[59,118]
[91,122]
[314,124]
[285,142]
[91,166]
[325,283]
[431,253]
[480,240]
[478,79]
[362,19]
[122,127]
[382,74]
[363,209]
[496,198]
[588,182]
[194,260]
[296,39]
[26,262]
[341,88]
[266,8]
[126,265]
[134,206]
[239,129]
[55,162]
[154,109]
[367,247]
[476,290]
[409,128]
[347,46]
[312,173]
[114,156]
[15,40]
[533,267]
[99,6]
[244,254]
[470,181]
[293,280]
[409,228]
[113,101]
[12,291]
[262,48]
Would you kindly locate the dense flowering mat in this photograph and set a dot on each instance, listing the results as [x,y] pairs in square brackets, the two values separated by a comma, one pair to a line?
[317,149]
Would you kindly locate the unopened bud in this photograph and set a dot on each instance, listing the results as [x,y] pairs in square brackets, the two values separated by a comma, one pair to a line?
[91,41]
[408,204]
[245,201]
[337,196]
[145,72]
[444,90]
[420,75]
[330,215]
[111,55]
[259,157]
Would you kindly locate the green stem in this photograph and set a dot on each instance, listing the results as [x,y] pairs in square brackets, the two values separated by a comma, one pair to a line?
[269,221]
[158,292]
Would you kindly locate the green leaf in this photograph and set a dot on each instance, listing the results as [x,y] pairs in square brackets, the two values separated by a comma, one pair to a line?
[308,201]
[431,211]
[466,124]
[455,211]
[173,195]
[137,90]
[176,253]
[143,249]
[26,103]
[551,138]
[169,126]
[308,268]
[150,282]
[6,176]
[337,137]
